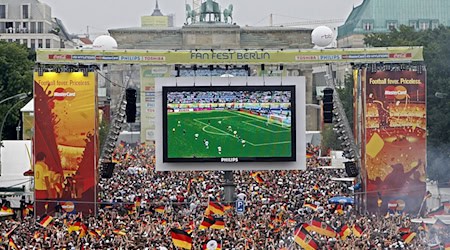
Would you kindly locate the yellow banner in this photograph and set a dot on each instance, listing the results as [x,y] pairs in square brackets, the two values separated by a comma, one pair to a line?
[65,140]
[152,57]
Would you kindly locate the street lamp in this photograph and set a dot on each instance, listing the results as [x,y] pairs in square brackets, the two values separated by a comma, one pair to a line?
[21,97]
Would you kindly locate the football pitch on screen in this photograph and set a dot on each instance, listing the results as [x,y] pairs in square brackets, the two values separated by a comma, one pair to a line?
[224,133]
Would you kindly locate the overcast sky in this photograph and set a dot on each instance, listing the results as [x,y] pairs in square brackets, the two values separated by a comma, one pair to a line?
[101,15]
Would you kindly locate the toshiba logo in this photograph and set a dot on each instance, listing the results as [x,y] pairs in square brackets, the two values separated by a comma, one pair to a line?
[229,160]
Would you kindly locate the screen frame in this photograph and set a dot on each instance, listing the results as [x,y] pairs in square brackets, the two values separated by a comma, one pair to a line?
[291,88]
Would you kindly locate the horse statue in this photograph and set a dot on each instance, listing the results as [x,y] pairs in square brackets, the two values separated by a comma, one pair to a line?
[210,7]
[190,14]
[228,13]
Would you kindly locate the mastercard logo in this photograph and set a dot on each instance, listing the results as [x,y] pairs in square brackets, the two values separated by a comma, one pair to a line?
[61,94]
[68,206]
[395,92]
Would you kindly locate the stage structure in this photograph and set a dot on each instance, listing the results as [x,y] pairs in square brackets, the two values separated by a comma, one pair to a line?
[157,67]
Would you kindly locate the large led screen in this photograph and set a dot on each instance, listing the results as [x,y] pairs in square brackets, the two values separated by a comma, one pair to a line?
[229,124]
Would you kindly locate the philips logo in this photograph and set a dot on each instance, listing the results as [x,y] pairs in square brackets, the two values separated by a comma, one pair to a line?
[229,160]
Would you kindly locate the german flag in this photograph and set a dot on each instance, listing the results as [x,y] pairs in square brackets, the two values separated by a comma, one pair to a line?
[257,177]
[137,202]
[7,211]
[115,160]
[12,244]
[190,228]
[227,207]
[206,223]
[309,155]
[122,144]
[181,239]
[163,222]
[344,232]
[408,237]
[218,223]
[119,232]
[94,234]
[302,237]
[357,231]
[215,208]
[316,187]
[311,206]
[322,228]
[160,209]
[404,230]
[46,221]
[339,209]
[74,227]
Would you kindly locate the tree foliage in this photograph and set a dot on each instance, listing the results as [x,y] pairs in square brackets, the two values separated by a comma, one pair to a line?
[329,139]
[437,58]
[16,76]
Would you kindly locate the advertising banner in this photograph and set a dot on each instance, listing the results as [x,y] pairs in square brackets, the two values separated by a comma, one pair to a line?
[148,105]
[352,55]
[395,140]
[65,142]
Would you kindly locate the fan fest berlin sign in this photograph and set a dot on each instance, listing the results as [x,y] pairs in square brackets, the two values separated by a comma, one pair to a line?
[354,55]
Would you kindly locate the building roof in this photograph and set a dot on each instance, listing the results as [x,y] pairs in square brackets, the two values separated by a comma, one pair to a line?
[401,12]
[85,40]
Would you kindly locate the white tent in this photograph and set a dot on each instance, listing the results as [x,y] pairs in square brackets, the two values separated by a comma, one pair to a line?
[15,160]
[29,107]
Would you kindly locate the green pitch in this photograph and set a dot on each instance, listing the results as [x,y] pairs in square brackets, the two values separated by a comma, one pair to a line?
[262,139]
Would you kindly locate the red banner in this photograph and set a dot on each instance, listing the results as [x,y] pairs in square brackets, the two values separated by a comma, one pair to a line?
[65,142]
[395,140]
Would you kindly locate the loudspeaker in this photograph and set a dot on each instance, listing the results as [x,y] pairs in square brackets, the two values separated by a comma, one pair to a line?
[107,170]
[327,105]
[351,169]
[130,109]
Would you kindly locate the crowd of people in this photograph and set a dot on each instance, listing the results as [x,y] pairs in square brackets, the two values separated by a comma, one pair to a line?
[194,97]
[140,206]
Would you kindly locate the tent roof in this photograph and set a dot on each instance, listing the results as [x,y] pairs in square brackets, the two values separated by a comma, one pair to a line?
[29,107]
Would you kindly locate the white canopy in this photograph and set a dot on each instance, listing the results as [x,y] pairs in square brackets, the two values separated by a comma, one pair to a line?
[29,107]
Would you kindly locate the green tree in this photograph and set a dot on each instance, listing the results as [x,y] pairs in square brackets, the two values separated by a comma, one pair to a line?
[346,96]
[16,76]
[103,132]
[329,139]
[436,57]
